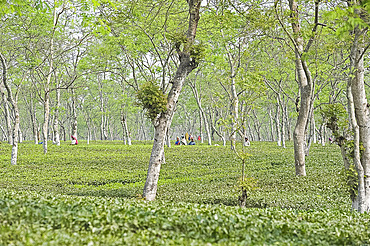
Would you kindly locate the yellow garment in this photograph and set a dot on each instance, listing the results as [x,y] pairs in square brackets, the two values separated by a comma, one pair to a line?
[187,136]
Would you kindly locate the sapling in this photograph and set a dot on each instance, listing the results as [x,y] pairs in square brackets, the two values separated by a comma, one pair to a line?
[244,184]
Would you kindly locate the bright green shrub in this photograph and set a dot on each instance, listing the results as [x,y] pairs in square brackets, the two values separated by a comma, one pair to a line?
[29,218]
[152,99]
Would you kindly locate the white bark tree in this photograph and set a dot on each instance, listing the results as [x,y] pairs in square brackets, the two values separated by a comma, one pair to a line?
[203,117]
[304,80]
[163,120]
[360,118]
[14,102]
[7,115]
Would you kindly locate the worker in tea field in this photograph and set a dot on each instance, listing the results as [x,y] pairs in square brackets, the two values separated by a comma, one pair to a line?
[246,142]
[74,140]
[177,141]
[191,141]
[183,141]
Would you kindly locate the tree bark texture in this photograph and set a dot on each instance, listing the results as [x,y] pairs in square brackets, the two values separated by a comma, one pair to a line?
[14,103]
[278,129]
[56,139]
[201,111]
[187,64]
[305,85]
[74,116]
[7,112]
[361,124]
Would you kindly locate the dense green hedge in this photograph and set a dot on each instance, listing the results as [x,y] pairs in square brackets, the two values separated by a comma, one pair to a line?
[32,219]
[79,195]
[200,174]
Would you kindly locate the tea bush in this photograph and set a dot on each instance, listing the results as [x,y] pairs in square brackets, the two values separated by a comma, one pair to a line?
[87,193]
[28,218]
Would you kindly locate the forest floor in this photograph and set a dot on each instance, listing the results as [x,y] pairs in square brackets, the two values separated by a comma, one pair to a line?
[91,195]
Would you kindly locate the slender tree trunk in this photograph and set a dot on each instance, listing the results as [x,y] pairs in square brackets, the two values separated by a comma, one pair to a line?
[4,133]
[313,125]
[20,134]
[234,112]
[88,120]
[278,129]
[168,139]
[126,133]
[46,122]
[187,64]
[323,134]
[8,120]
[56,139]
[103,130]
[200,127]
[256,126]
[205,120]
[45,125]
[305,85]
[283,124]
[74,116]
[34,122]
[361,124]
[94,131]
[271,120]
[14,104]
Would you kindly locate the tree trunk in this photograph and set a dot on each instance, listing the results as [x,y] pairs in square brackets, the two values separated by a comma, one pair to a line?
[35,130]
[271,125]
[203,115]
[305,86]
[56,139]
[187,64]
[168,139]
[361,123]
[87,120]
[283,124]
[20,134]
[46,122]
[278,129]
[74,116]
[200,127]
[234,112]
[103,118]
[4,133]
[14,103]
[8,121]
[126,133]
[257,126]
[313,128]
[322,134]
[46,100]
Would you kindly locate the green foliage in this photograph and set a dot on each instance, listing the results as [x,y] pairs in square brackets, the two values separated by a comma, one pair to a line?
[152,99]
[336,117]
[178,38]
[350,146]
[198,52]
[88,193]
[249,184]
[350,17]
[31,218]
[14,6]
[197,174]
[351,179]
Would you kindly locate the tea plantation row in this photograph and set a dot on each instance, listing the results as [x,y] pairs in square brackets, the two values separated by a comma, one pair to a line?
[89,194]
[30,219]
